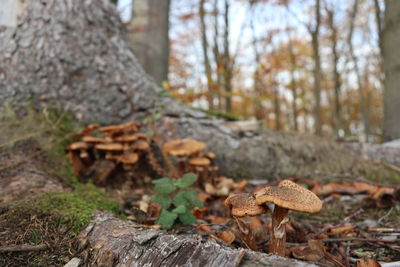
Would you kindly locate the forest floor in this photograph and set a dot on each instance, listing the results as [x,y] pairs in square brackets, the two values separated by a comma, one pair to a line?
[43,207]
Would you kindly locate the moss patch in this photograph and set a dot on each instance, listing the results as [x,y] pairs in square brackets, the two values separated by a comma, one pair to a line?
[73,209]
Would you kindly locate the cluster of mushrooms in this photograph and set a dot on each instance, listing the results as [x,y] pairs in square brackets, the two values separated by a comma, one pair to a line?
[286,196]
[122,144]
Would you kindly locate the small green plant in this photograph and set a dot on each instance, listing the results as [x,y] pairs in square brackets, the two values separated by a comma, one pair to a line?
[176,200]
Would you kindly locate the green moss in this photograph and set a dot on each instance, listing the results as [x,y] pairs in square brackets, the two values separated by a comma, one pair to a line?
[72,209]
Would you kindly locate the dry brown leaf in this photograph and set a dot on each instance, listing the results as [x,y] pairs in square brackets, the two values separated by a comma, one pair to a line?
[367,263]
[341,229]
[216,219]
[227,236]
[241,185]
[204,228]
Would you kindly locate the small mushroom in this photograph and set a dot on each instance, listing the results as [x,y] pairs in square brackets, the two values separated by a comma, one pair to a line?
[286,196]
[82,147]
[243,205]
[109,148]
[200,166]
[127,159]
[94,140]
[141,145]
[115,130]
[183,147]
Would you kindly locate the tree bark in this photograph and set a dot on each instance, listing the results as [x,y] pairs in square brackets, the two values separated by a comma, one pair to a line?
[148,35]
[205,47]
[113,242]
[73,55]
[317,69]
[391,66]
[337,116]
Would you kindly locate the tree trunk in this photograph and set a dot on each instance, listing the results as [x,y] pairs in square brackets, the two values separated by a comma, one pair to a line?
[361,91]
[227,61]
[317,70]
[337,116]
[293,82]
[205,47]
[391,66]
[73,55]
[148,34]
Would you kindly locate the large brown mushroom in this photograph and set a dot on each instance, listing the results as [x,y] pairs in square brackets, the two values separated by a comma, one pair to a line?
[286,196]
[243,205]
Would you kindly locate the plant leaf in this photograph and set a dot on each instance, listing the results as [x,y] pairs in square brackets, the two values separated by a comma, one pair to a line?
[164,201]
[187,180]
[179,210]
[164,186]
[166,219]
[193,198]
[187,218]
[187,198]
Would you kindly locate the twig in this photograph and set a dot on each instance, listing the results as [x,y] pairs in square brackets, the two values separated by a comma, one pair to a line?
[385,216]
[20,248]
[357,239]
[345,220]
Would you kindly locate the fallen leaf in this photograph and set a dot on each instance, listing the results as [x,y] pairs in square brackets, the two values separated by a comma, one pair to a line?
[227,236]
[367,263]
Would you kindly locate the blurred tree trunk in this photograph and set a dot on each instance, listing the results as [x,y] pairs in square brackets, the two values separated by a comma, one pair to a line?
[217,55]
[293,82]
[205,47]
[361,91]
[148,35]
[391,65]
[317,68]
[73,55]
[337,116]
[227,60]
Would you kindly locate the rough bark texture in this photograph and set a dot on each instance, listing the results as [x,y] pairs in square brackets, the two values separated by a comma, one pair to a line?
[148,36]
[391,65]
[113,242]
[73,55]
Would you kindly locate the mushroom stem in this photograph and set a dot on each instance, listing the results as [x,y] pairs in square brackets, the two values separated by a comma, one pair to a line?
[246,234]
[277,244]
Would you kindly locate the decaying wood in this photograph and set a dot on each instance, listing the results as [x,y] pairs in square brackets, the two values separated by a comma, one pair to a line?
[74,55]
[110,241]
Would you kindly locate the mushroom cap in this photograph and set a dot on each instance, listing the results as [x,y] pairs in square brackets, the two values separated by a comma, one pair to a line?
[127,138]
[210,155]
[244,205]
[92,139]
[78,146]
[109,147]
[127,158]
[183,147]
[291,196]
[199,161]
[122,127]
[141,145]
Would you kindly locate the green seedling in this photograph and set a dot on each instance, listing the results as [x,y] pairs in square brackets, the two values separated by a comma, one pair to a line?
[176,199]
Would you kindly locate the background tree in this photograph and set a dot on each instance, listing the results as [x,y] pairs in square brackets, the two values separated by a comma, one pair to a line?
[148,35]
[391,58]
